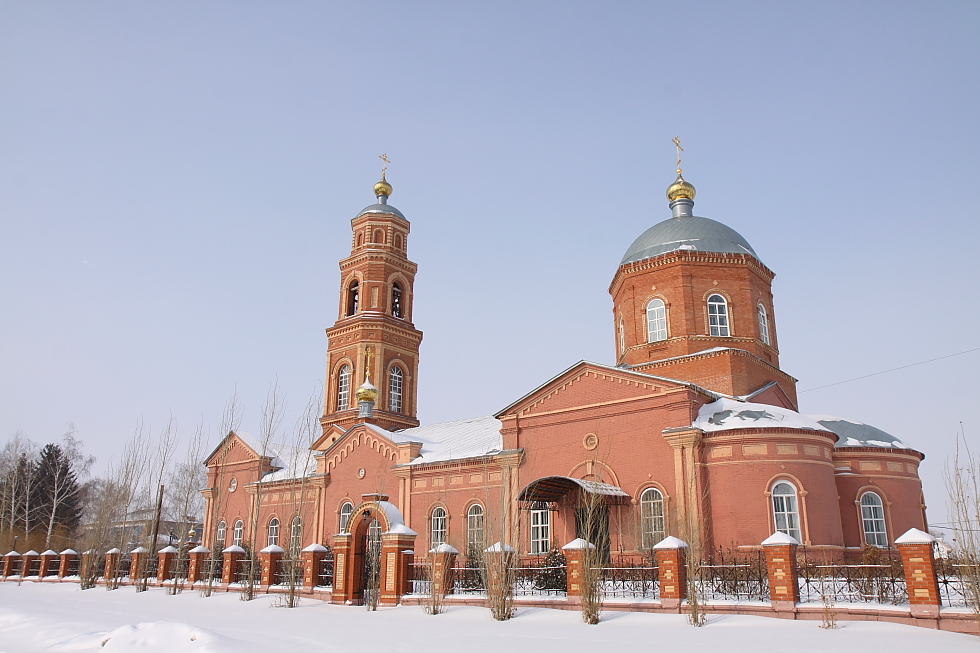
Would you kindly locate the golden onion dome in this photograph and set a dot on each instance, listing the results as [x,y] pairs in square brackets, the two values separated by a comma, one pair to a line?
[680,189]
[382,187]
[366,392]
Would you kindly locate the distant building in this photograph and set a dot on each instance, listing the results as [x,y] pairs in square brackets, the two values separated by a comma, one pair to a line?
[693,431]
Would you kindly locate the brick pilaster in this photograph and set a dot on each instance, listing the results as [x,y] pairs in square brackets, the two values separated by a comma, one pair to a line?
[919,565]
[671,556]
[784,585]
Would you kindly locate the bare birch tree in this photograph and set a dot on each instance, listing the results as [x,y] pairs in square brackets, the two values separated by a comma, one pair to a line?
[230,421]
[962,478]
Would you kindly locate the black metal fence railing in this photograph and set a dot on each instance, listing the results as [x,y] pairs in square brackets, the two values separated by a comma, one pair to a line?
[54,566]
[957,582]
[742,578]
[324,577]
[242,571]
[72,567]
[34,568]
[631,580]
[841,583]
[287,568]
[15,568]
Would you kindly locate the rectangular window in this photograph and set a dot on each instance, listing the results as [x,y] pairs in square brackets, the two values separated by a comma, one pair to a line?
[540,532]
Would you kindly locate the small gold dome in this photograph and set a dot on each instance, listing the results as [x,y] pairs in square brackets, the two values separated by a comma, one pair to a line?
[382,187]
[680,189]
[366,392]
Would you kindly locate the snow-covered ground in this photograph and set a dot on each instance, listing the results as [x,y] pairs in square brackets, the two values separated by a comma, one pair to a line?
[61,617]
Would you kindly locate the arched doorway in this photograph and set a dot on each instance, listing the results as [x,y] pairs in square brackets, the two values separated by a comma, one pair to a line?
[366,558]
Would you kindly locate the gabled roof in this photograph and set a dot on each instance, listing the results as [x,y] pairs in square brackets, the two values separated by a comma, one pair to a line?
[253,444]
[611,368]
[467,438]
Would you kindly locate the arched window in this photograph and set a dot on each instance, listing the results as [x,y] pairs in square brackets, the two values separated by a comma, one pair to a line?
[652,517]
[295,537]
[718,316]
[540,531]
[219,535]
[438,526]
[345,513]
[763,325]
[785,511]
[274,531]
[343,387]
[396,300]
[474,528]
[873,519]
[238,534]
[622,338]
[656,320]
[395,379]
[352,297]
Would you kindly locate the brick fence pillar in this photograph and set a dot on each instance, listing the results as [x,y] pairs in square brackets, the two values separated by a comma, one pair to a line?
[196,560]
[68,558]
[575,565]
[919,565]
[784,586]
[498,558]
[111,569]
[442,559]
[232,556]
[9,562]
[343,551]
[46,559]
[397,555]
[671,556]
[312,556]
[165,563]
[137,563]
[269,560]
[26,561]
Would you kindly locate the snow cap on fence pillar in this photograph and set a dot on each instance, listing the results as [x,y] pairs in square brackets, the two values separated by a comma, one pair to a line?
[670,542]
[139,549]
[315,548]
[11,553]
[272,548]
[779,538]
[578,543]
[200,549]
[445,548]
[915,536]
[69,552]
[234,548]
[500,547]
[32,552]
[114,550]
[49,552]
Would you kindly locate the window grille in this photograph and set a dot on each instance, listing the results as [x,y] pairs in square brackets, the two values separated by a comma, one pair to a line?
[718,316]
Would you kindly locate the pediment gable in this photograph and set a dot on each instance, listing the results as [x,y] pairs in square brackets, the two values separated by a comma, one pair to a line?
[232,449]
[330,435]
[588,384]
[774,395]
[353,442]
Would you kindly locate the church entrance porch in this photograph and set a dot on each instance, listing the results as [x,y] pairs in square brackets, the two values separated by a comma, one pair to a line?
[372,559]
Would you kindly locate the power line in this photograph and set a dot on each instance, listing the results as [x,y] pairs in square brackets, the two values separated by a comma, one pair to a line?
[894,369]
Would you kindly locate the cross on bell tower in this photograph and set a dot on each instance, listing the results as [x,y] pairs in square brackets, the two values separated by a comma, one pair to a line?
[374,335]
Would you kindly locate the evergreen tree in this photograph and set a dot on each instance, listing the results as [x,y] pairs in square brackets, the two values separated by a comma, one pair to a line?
[59,500]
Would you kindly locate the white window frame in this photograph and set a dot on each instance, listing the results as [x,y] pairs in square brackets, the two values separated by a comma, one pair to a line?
[656,320]
[343,387]
[238,534]
[220,534]
[274,532]
[346,511]
[786,509]
[474,527]
[764,325]
[652,517]
[718,322]
[439,526]
[540,532]
[396,383]
[873,520]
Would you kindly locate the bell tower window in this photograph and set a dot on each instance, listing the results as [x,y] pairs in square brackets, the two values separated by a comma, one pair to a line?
[395,380]
[352,292]
[718,316]
[656,321]
[763,325]
[396,300]
[343,387]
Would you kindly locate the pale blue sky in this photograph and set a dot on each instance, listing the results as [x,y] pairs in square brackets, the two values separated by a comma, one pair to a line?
[177,179]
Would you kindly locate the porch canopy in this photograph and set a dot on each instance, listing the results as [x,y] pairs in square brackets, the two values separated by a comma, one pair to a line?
[552,489]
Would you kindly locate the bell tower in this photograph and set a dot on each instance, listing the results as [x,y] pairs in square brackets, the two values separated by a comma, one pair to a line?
[373,338]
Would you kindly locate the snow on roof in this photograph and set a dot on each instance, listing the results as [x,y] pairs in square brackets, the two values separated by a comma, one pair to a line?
[856,434]
[294,462]
[467,438]
[725,414]
[256,445]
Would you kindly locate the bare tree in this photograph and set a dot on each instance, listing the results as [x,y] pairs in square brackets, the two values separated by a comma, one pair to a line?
[230,421]
[962,477]
[593,518]
[184,503]
[62,480]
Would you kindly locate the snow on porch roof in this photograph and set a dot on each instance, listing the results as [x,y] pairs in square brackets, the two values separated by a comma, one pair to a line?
[552,488]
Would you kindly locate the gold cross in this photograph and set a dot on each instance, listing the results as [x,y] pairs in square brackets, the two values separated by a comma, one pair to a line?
[367,359]
[676,140]
[384,167]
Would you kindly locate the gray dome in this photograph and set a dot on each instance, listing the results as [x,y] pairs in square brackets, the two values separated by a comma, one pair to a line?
[856,434]
[387,209]
[687,232]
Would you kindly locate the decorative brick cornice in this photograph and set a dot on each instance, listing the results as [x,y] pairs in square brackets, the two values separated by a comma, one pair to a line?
[689,256]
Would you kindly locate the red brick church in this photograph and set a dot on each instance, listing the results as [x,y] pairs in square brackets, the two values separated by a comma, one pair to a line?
[692,431]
